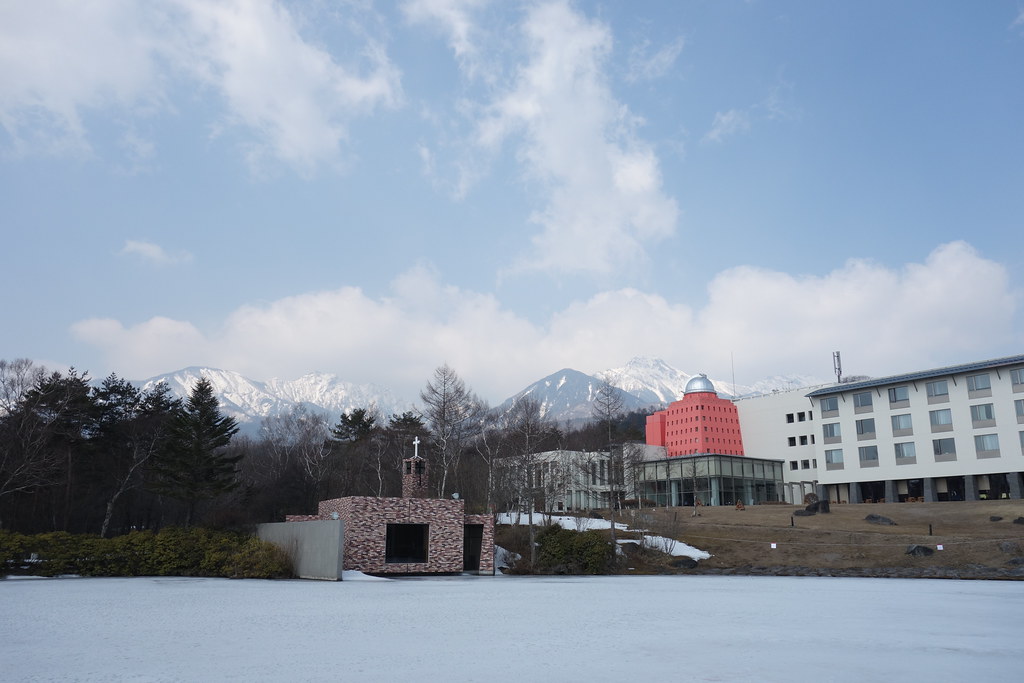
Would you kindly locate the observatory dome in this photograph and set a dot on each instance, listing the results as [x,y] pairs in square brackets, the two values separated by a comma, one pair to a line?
[699,384]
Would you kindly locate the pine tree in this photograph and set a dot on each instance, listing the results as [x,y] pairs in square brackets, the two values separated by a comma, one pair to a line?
[195,465]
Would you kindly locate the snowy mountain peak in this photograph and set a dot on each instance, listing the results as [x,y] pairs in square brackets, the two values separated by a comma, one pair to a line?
[249,401]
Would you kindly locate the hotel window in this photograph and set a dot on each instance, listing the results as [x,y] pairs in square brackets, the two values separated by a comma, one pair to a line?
[830,404]
[831,430]
[862,400]
[805,464]
[941,420]
[944,447]
[1018,406]
[789,417]
[905,450]
[866,428]
[899,394]
[868,453]
[803,440]
[902,422]
[794,465]
[983,412]
[938,391]
[986,443]
[1017,379]
[792,441]
[834,456]
[978,382]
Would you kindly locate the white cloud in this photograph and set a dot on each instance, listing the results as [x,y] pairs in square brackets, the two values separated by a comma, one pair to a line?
[645,66]
[154,253]
[291,94]
[727,124]
[455,18]
[956,306]
[578,146]
[61,60]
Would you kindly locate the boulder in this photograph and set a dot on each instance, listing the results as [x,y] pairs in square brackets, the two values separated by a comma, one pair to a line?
[803,513]
[879,519]
[1009,547]
[995,518]
[683,563]
[920,550]
[1019,520]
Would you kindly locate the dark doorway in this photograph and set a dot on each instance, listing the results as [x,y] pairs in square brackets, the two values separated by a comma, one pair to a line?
[954,489]
[473,539]
[406,543]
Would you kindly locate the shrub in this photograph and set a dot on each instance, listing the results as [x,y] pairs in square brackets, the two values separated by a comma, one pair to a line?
[172,552]
[562,551]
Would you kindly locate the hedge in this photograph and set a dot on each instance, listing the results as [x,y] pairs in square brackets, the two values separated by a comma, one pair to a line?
[172,552]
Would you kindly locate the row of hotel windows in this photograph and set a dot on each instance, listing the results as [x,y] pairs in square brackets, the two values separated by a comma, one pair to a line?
[938,392]
[985,445]
[941,420]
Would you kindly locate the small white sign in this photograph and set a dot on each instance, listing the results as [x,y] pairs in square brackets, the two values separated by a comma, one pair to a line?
[774,546]
[938,547]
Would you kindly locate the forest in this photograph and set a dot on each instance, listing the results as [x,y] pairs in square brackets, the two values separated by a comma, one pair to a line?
[107,458]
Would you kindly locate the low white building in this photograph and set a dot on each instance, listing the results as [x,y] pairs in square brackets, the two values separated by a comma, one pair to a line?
[951,433]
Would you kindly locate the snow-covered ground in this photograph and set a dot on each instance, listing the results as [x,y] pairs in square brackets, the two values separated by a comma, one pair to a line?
[511,629]
[666,545]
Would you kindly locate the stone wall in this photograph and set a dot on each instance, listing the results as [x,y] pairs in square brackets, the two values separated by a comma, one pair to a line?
[487,546]
[366,521]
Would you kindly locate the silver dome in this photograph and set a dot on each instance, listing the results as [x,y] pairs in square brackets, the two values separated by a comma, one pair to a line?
[699,384]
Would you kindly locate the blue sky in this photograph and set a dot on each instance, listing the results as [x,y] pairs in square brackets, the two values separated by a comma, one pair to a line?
[373,189]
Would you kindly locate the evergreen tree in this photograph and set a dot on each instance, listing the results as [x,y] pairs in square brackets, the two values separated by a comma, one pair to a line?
[195,464]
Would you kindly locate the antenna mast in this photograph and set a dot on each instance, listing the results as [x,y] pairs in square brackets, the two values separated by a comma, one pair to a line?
[837,366]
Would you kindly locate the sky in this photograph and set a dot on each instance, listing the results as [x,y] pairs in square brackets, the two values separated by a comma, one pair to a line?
[374,189]
[511,628]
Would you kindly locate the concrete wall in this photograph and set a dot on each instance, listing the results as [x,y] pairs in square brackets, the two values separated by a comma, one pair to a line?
[316,548]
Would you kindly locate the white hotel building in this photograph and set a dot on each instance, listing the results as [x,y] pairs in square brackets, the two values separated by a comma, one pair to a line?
[953,433]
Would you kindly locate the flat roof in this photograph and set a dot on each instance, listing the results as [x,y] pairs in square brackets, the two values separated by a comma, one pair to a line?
[923,374]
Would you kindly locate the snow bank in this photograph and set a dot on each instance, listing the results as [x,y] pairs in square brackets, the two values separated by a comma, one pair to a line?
[670,546]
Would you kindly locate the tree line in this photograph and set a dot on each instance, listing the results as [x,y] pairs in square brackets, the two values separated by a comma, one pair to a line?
[109,458]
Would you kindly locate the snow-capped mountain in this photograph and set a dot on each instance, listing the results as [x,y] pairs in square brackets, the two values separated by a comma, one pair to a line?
[567,397]
[249,401]
[654,381]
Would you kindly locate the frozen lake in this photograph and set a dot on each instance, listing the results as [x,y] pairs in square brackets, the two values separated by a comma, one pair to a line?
[704,628]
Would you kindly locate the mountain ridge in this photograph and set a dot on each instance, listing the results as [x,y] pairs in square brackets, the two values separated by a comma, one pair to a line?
[565,396]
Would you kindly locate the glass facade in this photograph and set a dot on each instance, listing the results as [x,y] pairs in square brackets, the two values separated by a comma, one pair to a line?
[712,480]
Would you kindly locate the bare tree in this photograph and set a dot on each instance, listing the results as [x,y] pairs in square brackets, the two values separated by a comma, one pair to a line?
[451,411]
[529,428]
[607,407]
[298,440]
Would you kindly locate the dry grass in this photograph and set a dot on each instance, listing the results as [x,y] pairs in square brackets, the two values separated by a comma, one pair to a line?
[740,540]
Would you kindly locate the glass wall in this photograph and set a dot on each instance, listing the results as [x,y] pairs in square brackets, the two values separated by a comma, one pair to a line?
[712,480]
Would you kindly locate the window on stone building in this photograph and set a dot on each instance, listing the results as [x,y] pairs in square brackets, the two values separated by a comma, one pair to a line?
[406,543]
